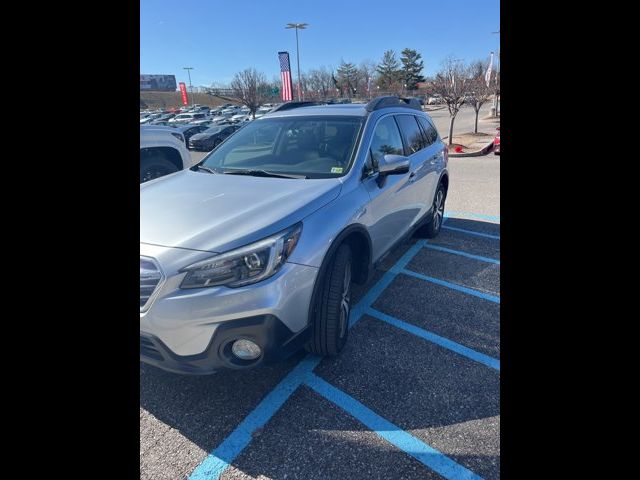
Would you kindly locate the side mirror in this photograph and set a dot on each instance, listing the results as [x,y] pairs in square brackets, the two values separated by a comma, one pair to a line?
[393,165]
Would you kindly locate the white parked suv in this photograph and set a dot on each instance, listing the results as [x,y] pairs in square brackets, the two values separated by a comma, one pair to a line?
[162,151]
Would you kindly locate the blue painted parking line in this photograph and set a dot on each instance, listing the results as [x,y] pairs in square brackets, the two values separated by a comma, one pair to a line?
[437,339]
[471,232]
[233,445]
[375,291]
[461,253]
[493,218]
[393,434]
[454,286]
[216,462]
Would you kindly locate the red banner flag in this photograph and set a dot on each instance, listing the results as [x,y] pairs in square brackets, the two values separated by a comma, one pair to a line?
[183,91]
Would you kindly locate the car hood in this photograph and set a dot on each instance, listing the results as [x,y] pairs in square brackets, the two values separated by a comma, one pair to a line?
[217,212]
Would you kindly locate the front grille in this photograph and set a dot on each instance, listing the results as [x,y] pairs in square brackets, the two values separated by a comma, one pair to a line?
[148,349]
[150,277]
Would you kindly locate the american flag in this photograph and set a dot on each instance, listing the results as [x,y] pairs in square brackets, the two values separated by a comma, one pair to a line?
[285,74]
[487,76]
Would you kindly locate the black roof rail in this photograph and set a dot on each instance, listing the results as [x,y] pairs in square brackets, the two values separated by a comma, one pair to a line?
[292,105]
[393,101]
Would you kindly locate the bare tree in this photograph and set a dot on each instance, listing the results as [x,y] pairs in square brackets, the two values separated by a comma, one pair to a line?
[368,75]
[451,84]
[251,88]
[319,80]
[477,68]
[479,92]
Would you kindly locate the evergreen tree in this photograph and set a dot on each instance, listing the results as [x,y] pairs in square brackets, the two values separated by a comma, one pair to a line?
[388,70]
[348,76]
[412,66]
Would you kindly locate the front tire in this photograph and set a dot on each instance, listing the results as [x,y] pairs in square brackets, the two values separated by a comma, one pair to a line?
[432,229]
[330,315]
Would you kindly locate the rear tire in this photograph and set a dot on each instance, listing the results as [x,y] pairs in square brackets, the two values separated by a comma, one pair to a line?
[330,315]
[155,167]
[432,229]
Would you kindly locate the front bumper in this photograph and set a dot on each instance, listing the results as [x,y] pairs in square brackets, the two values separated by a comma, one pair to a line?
[276,341]
[185,323]
[200,147]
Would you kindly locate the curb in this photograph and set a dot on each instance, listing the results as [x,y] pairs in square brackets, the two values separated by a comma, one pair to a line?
[478,153]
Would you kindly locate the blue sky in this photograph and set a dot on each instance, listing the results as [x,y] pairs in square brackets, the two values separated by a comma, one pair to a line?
[219,38]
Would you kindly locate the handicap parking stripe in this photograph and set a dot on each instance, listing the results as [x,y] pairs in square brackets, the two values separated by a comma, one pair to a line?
[220,458]
[216,462]
[493,218]
[437,339]
[471,232]
[393,434]
[461,253]
[460,288]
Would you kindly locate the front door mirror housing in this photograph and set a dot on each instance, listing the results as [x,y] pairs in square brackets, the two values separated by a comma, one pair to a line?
[393,165]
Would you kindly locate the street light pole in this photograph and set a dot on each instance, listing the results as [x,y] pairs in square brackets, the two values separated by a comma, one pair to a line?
[495,100]
[188,69]
[298,26]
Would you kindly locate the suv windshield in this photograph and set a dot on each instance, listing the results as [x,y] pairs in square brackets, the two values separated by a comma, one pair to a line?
[316,147]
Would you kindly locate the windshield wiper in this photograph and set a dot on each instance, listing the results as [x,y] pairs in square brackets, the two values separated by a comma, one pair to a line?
[206,169]
[263,173]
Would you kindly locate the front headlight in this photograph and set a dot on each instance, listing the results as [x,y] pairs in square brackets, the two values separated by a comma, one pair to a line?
[244,265]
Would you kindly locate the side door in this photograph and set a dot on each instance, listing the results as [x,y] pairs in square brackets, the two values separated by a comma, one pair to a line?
[419,171]
[435,157]
[391,210]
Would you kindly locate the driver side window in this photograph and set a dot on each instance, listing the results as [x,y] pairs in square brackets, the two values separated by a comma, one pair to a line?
[386,140]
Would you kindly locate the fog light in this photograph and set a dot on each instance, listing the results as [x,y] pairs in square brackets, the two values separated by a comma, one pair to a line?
[245,349]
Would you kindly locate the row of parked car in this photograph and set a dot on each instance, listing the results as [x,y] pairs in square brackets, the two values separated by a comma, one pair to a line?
[200,114]
[202,128]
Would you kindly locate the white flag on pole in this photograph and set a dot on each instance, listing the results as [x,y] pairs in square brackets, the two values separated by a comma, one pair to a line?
[487,76]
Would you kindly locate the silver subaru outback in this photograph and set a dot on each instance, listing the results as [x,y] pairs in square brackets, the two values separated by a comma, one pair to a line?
[250,255]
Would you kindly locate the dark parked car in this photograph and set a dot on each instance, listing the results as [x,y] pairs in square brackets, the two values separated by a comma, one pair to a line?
[189,130]
[210,138]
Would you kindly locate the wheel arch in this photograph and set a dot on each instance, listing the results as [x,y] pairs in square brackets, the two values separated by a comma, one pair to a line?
[168,153]
[357,236]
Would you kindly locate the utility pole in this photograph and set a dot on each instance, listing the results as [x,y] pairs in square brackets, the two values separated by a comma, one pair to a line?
[496,103]
[298,26]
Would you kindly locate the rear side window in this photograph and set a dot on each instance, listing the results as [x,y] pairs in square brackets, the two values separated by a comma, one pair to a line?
[411,132]
[430,133]
[386,140]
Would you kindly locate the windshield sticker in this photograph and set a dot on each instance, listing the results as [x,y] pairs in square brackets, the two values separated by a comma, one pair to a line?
[336,169]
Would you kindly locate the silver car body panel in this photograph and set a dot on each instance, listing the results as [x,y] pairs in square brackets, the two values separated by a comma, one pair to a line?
[188,216]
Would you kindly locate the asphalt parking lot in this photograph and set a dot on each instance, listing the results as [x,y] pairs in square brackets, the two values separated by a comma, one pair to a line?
[414,394]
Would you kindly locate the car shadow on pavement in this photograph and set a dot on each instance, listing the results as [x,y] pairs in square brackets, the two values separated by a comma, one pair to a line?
[419,386]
